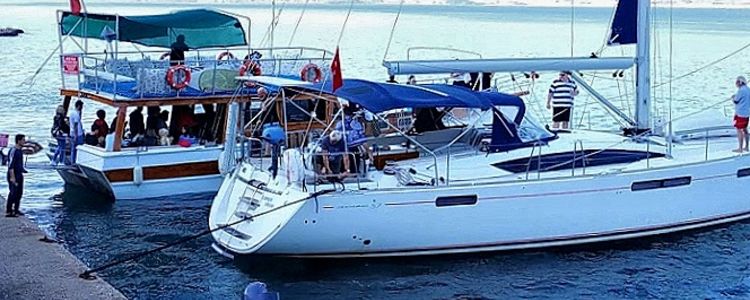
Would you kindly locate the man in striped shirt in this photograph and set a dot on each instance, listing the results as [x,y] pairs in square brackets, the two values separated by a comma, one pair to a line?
[560,99]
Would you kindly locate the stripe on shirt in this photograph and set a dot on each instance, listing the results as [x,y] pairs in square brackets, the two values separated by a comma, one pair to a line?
[562,93]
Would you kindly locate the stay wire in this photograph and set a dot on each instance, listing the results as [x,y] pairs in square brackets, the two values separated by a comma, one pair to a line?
[88,273]
[299,20]
[393,30]
[346,20]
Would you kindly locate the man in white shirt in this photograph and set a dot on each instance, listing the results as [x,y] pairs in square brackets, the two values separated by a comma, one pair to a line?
[76,129]
[741,102]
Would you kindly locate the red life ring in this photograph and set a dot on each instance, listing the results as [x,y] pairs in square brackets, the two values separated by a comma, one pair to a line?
[254,68]
[318,73]
[165,55]
[225,54]
[180,84]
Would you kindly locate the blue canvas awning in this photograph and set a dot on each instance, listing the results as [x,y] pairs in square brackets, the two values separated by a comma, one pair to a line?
[378,97]
[202,28]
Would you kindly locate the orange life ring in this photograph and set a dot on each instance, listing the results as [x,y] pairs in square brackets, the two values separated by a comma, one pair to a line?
[318,73]
[179,84]
[225,54]
[165,55]
[254,68]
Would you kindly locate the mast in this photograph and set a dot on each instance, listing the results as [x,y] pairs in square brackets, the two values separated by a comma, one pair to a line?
[643,60]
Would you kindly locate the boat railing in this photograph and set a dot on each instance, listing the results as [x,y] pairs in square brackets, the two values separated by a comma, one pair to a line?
[144,74]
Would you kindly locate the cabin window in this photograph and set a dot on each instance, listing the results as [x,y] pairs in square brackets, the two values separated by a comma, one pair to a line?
[661,183]
[456,200]
[564,160]
[743,172]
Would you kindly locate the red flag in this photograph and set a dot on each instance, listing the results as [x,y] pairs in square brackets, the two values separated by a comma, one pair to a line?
[75,6]
[338,79]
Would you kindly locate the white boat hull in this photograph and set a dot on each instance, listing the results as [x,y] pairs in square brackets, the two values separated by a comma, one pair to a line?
[509,215]
[164,171]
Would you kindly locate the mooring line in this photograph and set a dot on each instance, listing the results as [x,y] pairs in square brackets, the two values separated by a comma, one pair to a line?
[88,273]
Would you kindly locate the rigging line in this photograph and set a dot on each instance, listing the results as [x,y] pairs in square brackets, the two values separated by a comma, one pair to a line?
[87,273]
[346,20]
[671,70]
[706,66]
[393,30]
[572,25]
[299,20]
[274,22]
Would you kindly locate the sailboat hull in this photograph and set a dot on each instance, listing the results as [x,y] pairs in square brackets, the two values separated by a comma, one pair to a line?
[514,215]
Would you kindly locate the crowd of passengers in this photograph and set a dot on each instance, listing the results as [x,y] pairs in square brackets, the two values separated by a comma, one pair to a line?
[185,128]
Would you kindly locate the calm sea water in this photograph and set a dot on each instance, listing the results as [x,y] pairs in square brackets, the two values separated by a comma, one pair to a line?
[711,263]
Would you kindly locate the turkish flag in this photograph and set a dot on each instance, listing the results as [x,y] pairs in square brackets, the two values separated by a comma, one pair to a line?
[75,6]
[338,79]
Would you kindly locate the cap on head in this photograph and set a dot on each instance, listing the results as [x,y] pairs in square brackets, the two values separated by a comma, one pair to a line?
[741,80]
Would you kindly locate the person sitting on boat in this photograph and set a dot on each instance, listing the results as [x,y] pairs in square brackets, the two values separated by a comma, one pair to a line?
[333,154]
[137,128]
[354,131]
[741,102]
[177,51]
[391,79]
[61,132]
[560,99]
[99,130]
[186,139]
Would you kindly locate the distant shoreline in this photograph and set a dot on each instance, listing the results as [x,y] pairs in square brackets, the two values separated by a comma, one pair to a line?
[680,4]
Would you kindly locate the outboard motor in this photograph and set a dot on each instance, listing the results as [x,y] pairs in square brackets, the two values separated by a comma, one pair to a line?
[258,291]
[274,135]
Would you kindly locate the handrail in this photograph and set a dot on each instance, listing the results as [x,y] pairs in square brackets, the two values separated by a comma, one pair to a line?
[408,51]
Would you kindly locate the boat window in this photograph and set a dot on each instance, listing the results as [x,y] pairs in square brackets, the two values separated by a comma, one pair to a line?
[743,172]
[456,200]
[564,160]
[661,183]
[529,130]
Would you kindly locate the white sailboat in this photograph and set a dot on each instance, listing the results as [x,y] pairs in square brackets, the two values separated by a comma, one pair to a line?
[508,185]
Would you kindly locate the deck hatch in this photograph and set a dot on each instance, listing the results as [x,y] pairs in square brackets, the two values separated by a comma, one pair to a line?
[456,200]
[661,183]
[743,172]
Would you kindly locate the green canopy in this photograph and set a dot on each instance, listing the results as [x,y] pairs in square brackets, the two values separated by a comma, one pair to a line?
[202,28]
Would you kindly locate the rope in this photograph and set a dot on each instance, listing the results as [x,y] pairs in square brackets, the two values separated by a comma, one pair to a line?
[706,66]
[299,20]
[393,30]
[88,273]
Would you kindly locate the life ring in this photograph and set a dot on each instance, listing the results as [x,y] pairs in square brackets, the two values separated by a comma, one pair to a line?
[179,84]
[254,68]
[317,73]
[226,54]
[165,55]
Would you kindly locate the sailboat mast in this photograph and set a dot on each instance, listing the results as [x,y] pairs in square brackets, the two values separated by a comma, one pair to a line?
[643,68]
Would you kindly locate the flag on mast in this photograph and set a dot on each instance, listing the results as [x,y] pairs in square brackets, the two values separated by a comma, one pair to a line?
[75,7]
[338,79]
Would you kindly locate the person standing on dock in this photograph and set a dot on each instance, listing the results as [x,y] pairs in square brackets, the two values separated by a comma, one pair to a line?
[15,178]
[741,112]
[76,130]
[560,100]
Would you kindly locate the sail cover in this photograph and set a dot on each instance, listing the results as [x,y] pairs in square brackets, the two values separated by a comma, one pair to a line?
[624,28]
[202,28]
[378,97]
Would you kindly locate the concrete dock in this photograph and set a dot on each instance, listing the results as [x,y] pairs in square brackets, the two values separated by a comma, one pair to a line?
[32,269]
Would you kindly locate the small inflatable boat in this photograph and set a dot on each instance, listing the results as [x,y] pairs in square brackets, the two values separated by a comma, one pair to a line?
[10,31]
